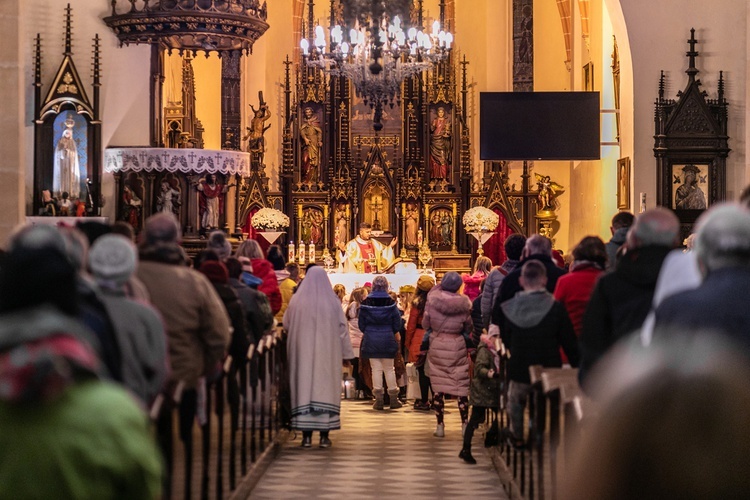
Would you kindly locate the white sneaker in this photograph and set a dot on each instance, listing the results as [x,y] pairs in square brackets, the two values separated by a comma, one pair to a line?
[439,431]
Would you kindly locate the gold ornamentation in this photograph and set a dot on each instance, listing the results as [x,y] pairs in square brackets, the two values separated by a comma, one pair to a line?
[67,87]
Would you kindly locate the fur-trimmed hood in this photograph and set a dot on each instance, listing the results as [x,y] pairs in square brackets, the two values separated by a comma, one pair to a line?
[448,303]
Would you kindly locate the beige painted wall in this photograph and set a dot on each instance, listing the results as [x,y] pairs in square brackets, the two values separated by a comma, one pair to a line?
[651,35]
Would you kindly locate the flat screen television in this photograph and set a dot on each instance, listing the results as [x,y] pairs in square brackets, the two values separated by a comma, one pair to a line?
[539,126]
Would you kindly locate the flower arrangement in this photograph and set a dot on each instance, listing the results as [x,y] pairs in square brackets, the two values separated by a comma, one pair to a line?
[270,219]
[480,219]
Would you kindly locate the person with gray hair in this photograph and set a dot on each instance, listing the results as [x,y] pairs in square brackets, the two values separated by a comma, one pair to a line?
[719,304]
[622,299]
[538,248]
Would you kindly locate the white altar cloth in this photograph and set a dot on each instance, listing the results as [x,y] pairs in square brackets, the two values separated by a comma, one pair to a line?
[356,280]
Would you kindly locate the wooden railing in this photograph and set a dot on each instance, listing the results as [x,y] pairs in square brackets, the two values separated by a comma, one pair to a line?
[555,413]
[213,437]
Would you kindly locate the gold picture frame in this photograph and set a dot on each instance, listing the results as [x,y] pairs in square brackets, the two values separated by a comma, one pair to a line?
[588,76]
[623,183]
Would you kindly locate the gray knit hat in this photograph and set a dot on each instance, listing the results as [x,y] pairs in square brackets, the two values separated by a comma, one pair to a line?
[451,281]
[217,241]
[380,283]
[112,259]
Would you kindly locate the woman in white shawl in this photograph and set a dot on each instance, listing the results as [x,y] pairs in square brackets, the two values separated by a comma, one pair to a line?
[318,342]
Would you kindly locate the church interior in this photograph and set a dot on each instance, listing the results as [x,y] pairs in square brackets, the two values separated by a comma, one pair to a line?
[173,103]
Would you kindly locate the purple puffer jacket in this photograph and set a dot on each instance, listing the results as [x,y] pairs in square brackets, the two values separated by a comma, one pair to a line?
[448,315]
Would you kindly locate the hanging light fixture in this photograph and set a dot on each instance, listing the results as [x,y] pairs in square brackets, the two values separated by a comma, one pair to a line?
[376,55]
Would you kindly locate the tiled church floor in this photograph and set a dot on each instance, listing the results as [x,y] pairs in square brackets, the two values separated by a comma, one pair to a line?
[383,454]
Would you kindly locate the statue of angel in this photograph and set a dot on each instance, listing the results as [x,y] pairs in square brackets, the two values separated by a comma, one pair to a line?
[548,192]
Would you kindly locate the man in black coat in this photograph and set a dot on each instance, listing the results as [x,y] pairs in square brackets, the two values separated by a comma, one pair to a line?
[621,300]
[538,248]
[719,304]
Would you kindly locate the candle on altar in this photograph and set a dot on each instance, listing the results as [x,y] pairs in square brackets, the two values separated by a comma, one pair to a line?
[292,255]
[301,260]
[419,237]
[311,252]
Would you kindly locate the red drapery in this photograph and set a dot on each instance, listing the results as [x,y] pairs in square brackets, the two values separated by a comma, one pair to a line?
[494,248]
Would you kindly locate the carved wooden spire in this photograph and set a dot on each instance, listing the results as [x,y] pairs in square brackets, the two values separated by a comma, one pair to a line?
[692,54]
[68,33]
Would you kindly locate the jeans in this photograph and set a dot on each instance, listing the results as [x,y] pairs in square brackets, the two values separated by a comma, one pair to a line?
[517,395]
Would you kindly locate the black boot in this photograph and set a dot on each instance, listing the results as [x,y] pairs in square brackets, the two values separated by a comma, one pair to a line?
[306,439]
[465,455]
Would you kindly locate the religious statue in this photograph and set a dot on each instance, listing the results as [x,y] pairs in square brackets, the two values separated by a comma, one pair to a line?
[67,171]
[168,199]
[131,207]
[256,130]
[548,192]
[411,225]
[364,254]
[341,217]
[311,135]
[689,196]
[312,226]
[211,201]
[436,236]
[440,146]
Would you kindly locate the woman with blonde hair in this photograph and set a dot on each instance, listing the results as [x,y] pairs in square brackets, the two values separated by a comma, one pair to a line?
[482,268]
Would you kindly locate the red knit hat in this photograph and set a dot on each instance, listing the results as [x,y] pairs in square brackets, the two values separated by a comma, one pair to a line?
[557,258]
[215,271]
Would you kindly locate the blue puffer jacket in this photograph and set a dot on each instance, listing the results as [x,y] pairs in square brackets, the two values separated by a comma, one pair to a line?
[379,324]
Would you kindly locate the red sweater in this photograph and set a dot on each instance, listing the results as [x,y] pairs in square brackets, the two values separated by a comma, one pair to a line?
[574,289]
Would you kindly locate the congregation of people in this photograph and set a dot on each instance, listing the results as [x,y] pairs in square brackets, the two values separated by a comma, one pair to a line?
[94,327]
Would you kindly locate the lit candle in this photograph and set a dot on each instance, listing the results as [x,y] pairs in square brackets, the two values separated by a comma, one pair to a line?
[311,252]
[292,256]
[301,253]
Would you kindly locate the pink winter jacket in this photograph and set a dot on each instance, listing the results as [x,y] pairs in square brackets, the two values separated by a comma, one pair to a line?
[448,314]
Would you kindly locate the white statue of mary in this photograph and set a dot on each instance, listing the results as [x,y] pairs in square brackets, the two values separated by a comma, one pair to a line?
[67,171]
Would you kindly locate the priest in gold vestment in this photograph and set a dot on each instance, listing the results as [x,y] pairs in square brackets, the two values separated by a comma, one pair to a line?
[364,254]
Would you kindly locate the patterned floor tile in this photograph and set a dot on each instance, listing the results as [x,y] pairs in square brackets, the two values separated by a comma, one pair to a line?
[382,454]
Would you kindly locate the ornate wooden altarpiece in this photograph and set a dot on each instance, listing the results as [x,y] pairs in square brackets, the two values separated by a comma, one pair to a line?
[385,178]
[355,175]
[67,135]
[691,146]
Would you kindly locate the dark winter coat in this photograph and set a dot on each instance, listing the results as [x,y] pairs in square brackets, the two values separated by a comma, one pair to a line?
[533,327]
[448,315]
[613,245]
[492,288]
[476,319]
[257,309]
[511,284]
[485,391]
[719,305]
[620,302]
[379,324]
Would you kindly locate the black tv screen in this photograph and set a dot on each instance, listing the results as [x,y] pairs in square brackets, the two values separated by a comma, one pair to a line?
[539,126]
